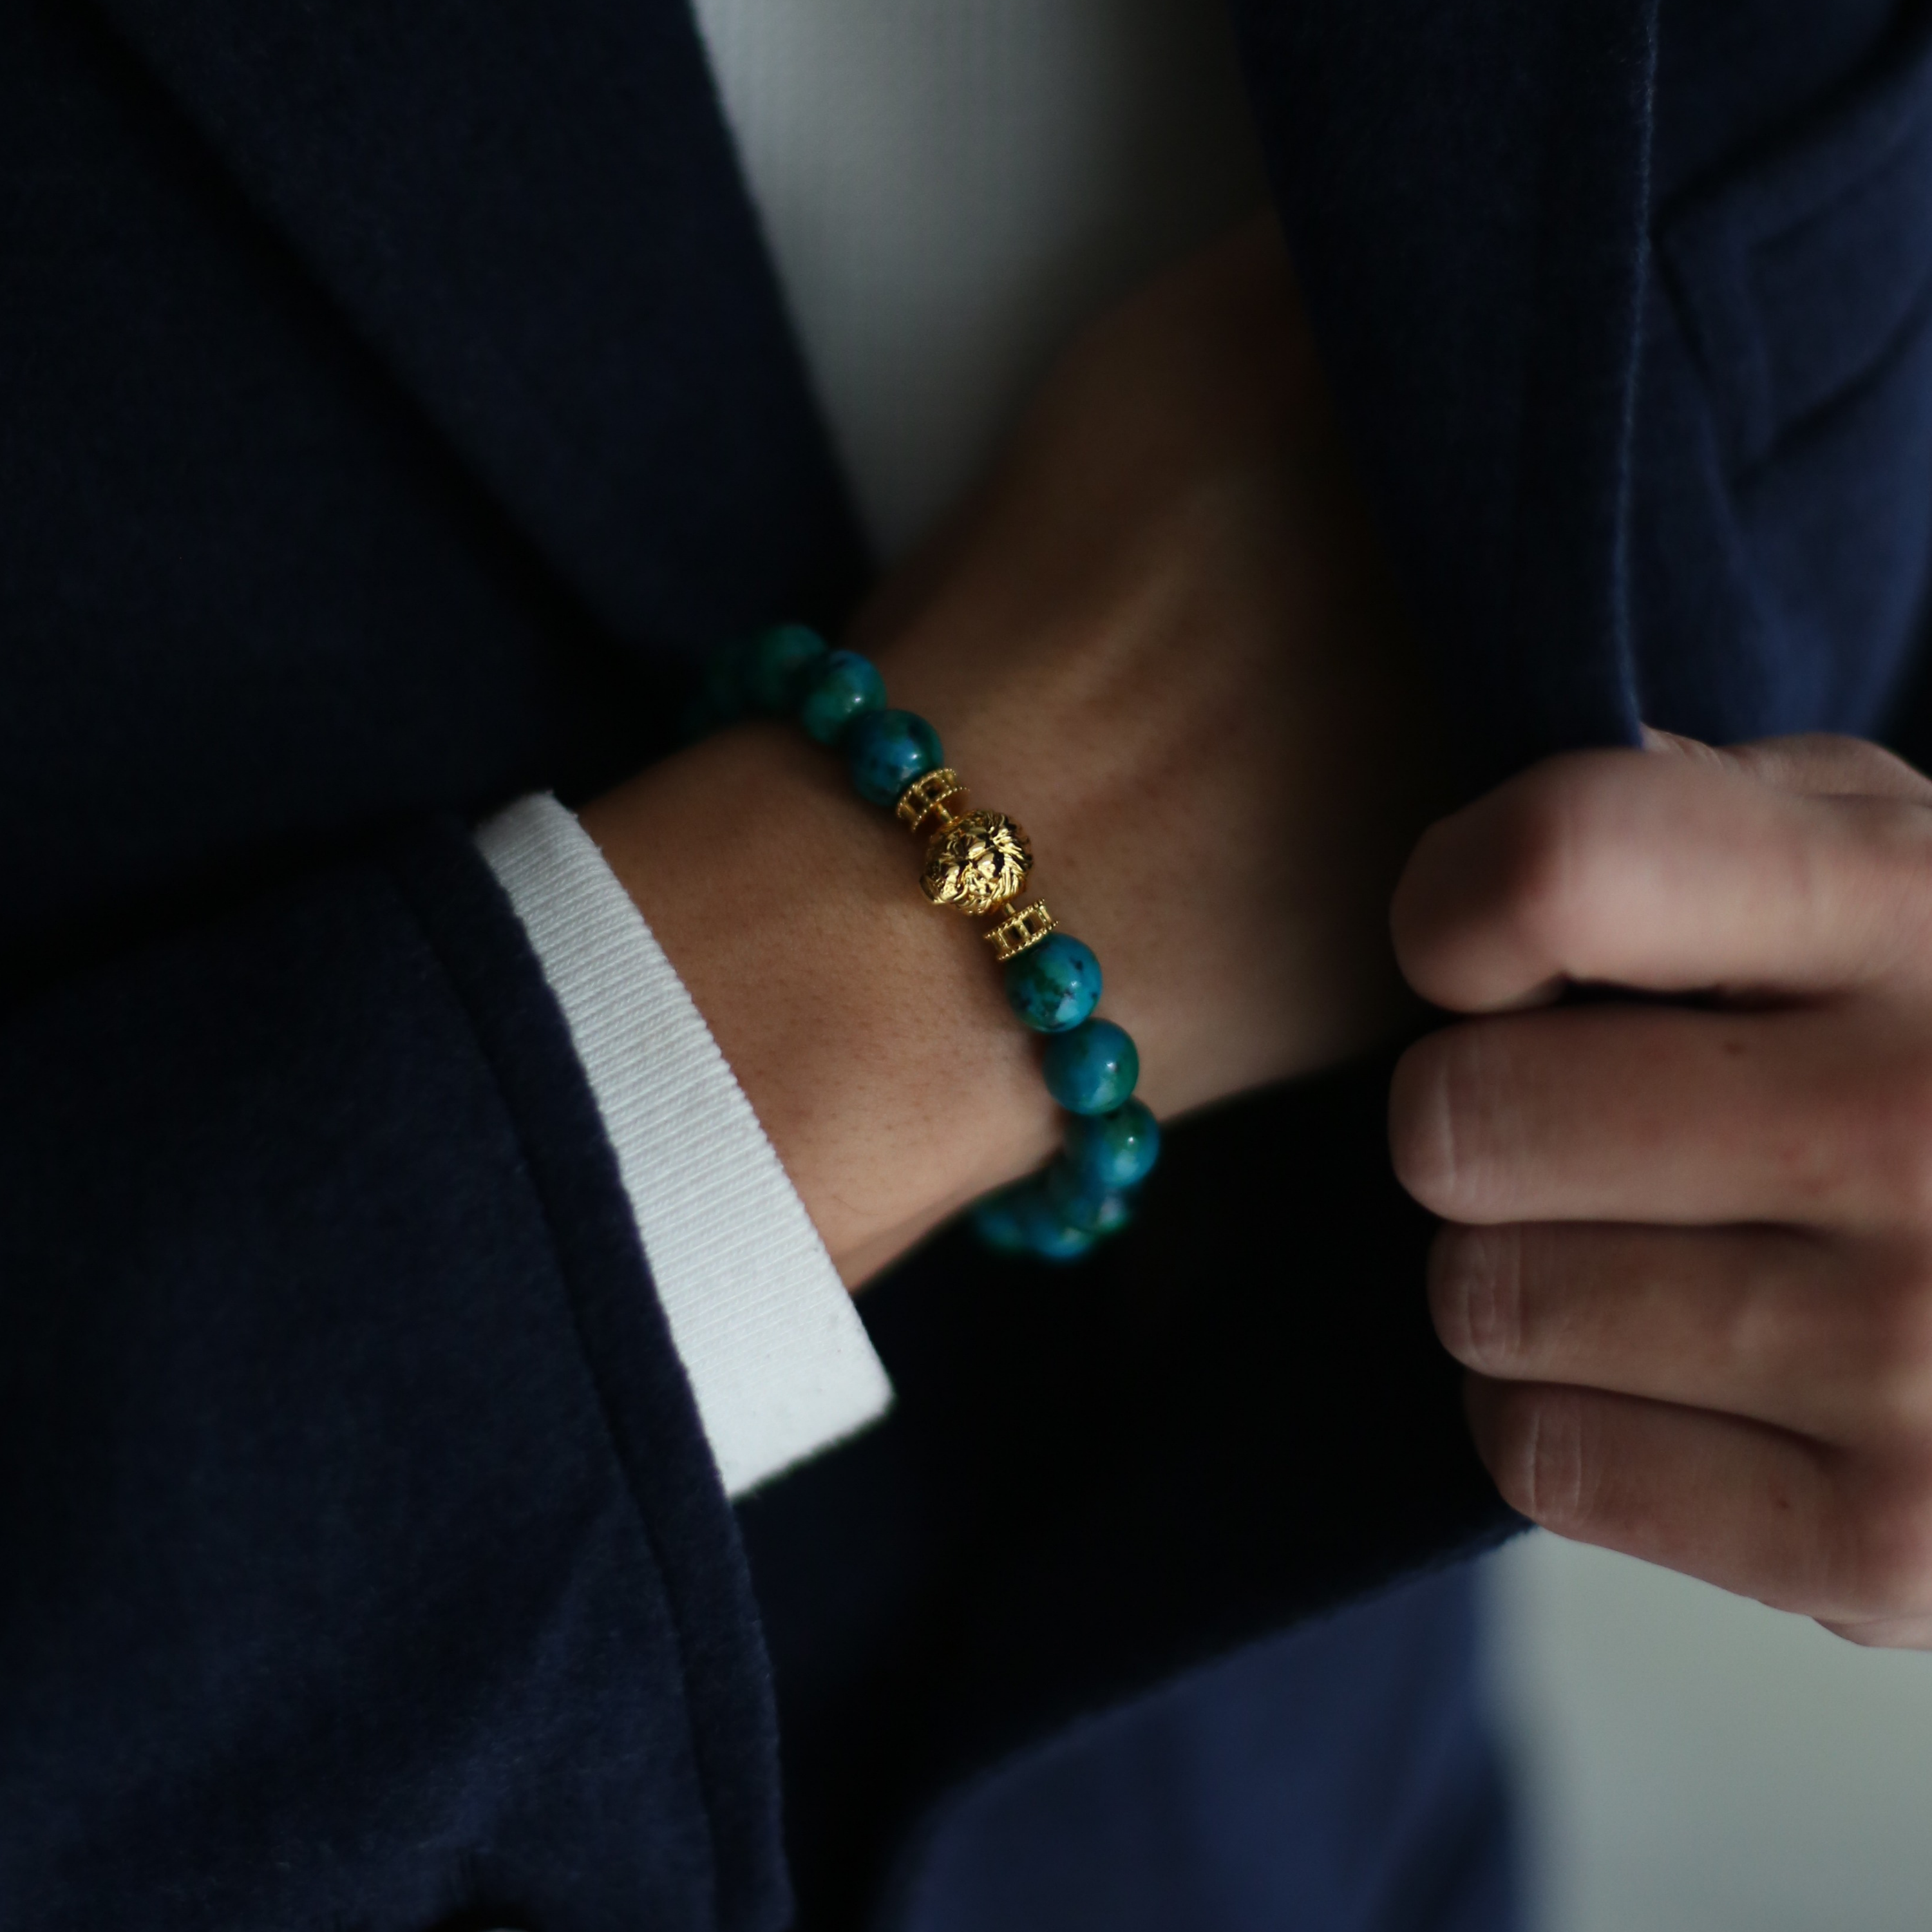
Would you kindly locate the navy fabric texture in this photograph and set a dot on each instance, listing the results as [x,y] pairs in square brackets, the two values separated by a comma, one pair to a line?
[352,1487]
[260,596]
[1630,317]
[363,1563]
[1337,1779]
[1783,467]
[1095,1477]
[1465,190]
[395,401]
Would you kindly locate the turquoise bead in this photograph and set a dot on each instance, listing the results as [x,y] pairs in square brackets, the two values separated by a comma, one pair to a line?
[1053,986]
[845,686]
[1022,1220]
[887,750]
[997,1222]
[1109,1153]
[1092,1068]
[778,664]
[1050,1238]
[1099,1211]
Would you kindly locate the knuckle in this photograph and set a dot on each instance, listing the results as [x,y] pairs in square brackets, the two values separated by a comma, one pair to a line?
[1885,844]
[1547,838]
[1827,764]
[1891,1354]
[1891,1141]
[1857,764]
[1889,1558]
[1497,901]
[1858,756]
[1832,753]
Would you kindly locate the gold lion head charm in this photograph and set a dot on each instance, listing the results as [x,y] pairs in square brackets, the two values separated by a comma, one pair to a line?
[977,863]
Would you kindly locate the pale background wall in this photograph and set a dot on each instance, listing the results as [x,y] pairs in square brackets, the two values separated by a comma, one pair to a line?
[949,187]
[1686,1762]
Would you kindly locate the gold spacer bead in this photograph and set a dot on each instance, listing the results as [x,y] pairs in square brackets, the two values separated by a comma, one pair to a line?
[931,792]
[1018,930]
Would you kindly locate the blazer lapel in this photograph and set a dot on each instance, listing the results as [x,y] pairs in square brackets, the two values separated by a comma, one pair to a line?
[531,211]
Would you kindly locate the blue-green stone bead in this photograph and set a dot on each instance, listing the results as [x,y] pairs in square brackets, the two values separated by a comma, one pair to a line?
[1051,1238]
[1022,1221]
[1110,1152]
[996,1221]
[1092,1068]
[1048,1234]
[1100,1211]
[778,664]
[887,750]
[845,686]
[1001,1220]
[1053,986]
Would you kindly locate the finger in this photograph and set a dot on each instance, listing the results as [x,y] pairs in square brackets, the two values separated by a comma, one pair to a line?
[1806,1116]
[1670,873]
[1820,764]
[1752,1509]
[1832,1339]
[1883,1632]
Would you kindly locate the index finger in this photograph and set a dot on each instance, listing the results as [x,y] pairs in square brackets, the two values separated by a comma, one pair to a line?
[1668,874]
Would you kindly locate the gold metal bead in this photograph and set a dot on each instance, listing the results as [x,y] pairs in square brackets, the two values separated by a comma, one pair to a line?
[976,862]
[932,794]
[1024,927]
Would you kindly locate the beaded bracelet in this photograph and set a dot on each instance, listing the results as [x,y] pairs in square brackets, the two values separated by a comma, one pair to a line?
[978,861]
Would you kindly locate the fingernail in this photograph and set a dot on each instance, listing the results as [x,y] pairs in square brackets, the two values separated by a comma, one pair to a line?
[1474,1293]
[1553,1460]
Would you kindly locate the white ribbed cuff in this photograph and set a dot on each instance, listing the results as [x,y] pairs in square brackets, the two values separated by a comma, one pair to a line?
[776,1355]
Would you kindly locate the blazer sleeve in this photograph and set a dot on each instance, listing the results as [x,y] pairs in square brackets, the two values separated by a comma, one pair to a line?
[361,1558]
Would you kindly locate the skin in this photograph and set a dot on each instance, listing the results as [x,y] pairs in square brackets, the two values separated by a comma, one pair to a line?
[1161,638]
[1687,1258]
[1688,1255]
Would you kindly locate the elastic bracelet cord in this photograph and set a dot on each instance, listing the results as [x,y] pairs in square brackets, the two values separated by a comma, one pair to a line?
[979,862]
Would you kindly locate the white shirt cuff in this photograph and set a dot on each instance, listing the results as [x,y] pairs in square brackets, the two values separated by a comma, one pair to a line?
[776,1356]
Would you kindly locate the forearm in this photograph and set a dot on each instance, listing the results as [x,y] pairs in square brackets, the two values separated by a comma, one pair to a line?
[867,1031]
[1162,640]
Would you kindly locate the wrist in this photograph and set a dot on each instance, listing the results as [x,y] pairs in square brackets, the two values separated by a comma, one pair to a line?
[867,1032]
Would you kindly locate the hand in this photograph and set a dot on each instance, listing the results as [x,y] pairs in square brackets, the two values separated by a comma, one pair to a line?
[1161,638]
[1689,1260]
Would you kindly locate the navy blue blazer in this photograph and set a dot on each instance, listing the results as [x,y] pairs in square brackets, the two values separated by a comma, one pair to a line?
[394,402]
